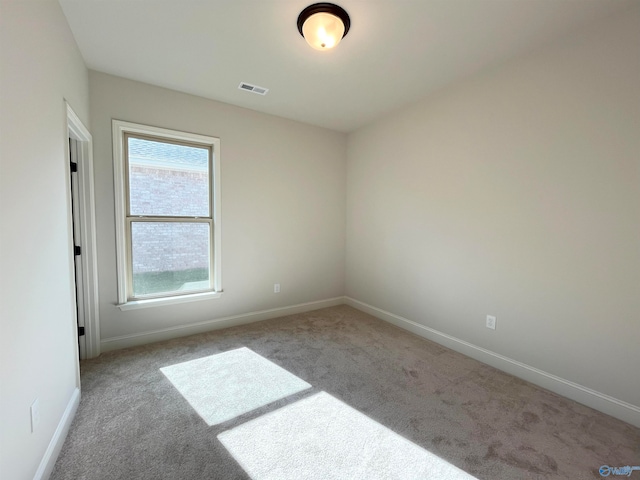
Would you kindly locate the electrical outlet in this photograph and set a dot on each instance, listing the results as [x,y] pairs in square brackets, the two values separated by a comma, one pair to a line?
[35,414]
[491,322]
[276,288]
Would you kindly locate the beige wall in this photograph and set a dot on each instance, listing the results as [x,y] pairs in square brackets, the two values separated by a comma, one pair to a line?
[40,67]
[283,205]
[514,193]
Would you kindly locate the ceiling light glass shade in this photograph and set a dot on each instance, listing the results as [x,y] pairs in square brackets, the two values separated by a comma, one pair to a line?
[323,25]
[323,31]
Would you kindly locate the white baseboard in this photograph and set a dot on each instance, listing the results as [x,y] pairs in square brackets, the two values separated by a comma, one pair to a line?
[124,341]
[599,401]
[55,445]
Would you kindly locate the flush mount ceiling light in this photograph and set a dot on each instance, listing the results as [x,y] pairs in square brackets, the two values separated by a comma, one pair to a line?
[323,25]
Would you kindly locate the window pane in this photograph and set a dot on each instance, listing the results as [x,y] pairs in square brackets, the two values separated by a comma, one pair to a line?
[168,179]
[170,257]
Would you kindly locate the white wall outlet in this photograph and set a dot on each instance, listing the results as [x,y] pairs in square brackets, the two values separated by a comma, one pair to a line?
[491,322]
[35,414]
[276,288]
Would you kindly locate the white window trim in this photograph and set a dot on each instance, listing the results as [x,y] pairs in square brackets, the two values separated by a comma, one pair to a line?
[119,128]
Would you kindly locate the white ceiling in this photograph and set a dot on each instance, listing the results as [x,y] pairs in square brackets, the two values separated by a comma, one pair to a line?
[396,52]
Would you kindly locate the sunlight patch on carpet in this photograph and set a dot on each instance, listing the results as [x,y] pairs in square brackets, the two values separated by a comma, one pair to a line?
[221,387]
[321,437]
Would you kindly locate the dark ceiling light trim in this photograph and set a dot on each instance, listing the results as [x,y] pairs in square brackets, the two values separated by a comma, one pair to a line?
[323,8]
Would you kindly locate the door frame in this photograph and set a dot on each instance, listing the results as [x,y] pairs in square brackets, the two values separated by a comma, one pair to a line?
[86,235]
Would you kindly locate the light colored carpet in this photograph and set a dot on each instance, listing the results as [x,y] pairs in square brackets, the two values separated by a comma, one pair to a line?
[321,437]
[223,386]
[132,423]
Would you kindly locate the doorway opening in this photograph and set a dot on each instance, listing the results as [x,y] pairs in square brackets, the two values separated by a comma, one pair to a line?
[84,235]
[74,145]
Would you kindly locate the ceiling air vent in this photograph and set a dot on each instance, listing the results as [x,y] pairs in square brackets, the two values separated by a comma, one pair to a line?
[253,88]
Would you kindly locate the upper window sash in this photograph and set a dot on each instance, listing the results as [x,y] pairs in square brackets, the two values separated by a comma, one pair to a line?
[193,158]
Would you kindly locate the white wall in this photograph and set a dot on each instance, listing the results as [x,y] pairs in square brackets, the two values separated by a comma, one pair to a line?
[514,193]
[40,67]
[283,206]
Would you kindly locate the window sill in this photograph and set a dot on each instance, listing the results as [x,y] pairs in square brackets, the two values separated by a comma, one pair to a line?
[157,302]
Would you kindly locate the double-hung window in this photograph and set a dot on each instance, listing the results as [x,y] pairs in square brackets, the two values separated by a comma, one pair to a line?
[167,215]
